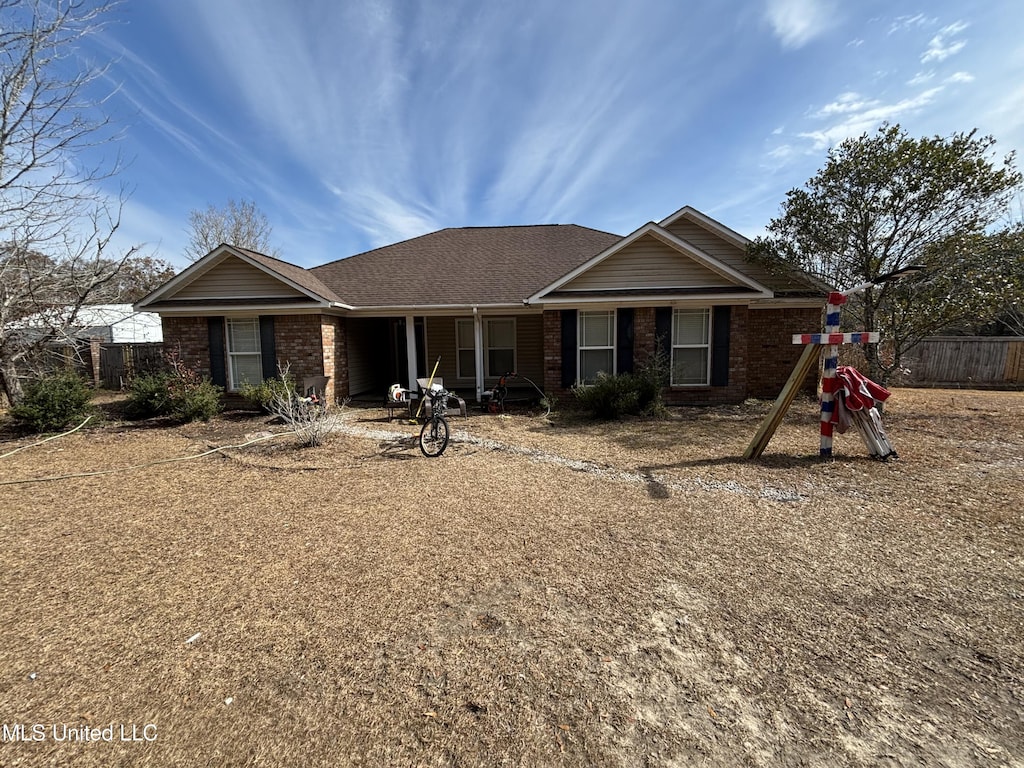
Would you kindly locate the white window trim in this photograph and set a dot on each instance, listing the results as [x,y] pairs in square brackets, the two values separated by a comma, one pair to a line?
[488,373]
[233,386]
[579,341]
[707,345]
[459,373]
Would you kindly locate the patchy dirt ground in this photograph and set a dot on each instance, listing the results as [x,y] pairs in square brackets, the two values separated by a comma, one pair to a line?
[543,594]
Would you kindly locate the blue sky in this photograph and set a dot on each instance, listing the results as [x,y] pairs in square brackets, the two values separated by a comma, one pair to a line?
[357,123]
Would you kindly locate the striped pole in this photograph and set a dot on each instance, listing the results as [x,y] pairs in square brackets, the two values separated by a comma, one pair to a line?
[828,378]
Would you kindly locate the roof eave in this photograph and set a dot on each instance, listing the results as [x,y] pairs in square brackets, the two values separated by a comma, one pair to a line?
[208,262]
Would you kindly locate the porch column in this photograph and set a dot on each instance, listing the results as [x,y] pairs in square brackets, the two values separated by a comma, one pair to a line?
[478,353]
[410,350]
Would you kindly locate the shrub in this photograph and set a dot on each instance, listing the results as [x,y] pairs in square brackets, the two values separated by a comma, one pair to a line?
[149,396]
[195,400]
[311,421]
[612,397]
[192,396]
[53,402]
[609,397]
[268,391]
[181,393]
[652,378]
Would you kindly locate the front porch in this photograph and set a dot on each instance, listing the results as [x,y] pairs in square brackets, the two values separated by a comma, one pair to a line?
[471,350]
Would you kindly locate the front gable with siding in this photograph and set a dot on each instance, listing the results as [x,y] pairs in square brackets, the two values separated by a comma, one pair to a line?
[558,303]
[682,288]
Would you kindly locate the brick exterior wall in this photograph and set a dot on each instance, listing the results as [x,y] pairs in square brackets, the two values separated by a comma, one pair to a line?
[772,354]
[643,335]
[299,345]
[189,338]
[334,343]
[735,391]
[761,357]
[553,354]
[311,345]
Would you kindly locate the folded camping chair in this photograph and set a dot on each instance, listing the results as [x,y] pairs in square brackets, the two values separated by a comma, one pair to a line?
[438,382]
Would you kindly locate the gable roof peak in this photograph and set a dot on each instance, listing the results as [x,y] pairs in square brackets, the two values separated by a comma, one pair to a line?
[690,213]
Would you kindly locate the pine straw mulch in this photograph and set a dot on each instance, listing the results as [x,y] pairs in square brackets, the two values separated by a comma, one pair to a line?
[563,593]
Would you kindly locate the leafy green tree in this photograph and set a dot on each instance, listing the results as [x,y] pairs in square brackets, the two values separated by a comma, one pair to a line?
[887,201]
[1006,251]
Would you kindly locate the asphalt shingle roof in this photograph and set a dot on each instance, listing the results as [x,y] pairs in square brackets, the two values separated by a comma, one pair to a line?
[298,275]
[464,266]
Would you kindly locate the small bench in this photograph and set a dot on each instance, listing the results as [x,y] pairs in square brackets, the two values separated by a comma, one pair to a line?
[404,408]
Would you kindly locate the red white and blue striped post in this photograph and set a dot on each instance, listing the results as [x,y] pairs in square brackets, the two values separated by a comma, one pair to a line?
[828,377]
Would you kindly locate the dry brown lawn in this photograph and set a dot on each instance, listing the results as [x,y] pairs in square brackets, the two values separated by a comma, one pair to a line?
[543,594]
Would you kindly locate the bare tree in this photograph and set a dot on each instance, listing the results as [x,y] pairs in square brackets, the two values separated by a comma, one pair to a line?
[238,223]
[55,222]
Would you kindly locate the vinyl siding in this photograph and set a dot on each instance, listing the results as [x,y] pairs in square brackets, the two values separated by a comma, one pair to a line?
[647,263]
[720,249]
[234,279]
[441,341]
[529,349]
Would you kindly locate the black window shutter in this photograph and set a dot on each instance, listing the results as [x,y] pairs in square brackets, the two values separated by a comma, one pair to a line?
[624,340]
[267,349]
[569,341]
[663,330]
[218,372]
[720,347]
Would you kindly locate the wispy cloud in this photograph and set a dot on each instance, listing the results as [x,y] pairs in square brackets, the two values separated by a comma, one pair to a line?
[797,22]
[960,77]
[432,115]
[901,23]
[865,116]
[945,43]
[921,78]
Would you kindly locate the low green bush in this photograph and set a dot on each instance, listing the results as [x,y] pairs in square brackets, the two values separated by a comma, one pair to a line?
[149,396]
[627,394]
[609,397]
[198,401]
[181,393]
[53,402]
[269,391]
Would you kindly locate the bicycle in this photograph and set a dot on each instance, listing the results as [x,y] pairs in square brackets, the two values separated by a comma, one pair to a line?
[435,432]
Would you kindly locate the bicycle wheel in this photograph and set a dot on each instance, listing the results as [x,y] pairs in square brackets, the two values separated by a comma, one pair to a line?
[434,437]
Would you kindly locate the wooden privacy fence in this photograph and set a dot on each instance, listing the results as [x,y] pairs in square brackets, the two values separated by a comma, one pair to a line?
[967,361]
[119,362]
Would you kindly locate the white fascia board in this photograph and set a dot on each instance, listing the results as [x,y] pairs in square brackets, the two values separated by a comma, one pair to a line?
[731,299]
[792,303]
[668,239]
[709,261]
[437,309]
[217,256]
[243,309]
[183,278]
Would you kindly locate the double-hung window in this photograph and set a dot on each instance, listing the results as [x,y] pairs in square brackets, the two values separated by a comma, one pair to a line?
[691,347]
[465,349]
[596,345]
[500,343]
[245,362]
